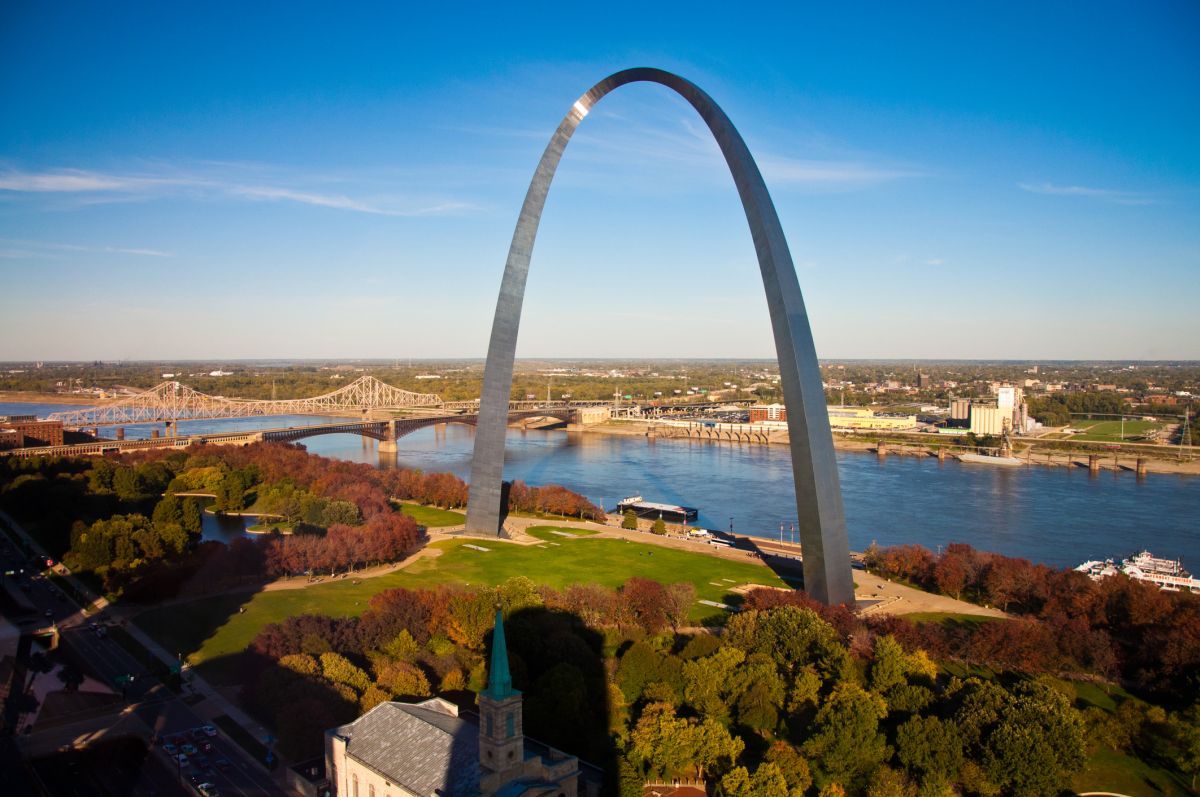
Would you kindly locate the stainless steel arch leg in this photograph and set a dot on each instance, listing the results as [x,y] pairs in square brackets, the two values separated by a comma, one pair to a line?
[827,575]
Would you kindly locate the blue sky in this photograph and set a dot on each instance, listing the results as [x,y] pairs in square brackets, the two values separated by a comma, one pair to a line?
[341,180]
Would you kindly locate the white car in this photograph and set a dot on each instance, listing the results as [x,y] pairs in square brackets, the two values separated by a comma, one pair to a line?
[208,730]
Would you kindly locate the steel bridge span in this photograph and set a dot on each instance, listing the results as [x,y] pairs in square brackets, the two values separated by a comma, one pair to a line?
[387,432]
[173,402]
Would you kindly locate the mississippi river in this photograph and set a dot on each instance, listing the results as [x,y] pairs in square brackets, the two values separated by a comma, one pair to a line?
[1059,516]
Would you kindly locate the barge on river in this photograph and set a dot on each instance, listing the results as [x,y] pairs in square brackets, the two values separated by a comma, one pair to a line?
[653,511]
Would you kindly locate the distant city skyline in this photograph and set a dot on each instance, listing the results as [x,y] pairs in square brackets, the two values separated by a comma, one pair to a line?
[955,183]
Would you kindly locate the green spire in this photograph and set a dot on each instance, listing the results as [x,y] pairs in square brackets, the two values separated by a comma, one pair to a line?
[499,678]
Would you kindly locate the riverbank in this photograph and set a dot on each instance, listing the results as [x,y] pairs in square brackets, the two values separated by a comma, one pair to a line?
[1154,460]
[25,397]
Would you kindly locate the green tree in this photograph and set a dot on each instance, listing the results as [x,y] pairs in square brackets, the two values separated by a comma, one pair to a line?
[930,747]
[791,764]
[736,783]
[659,527]
[708,682]
[1028,741]
[887,782]
[888,665]
[759,693]
[126,484]
[1185,733]
[793,637]
[191,522]
[630,520]
[846,743]
[344,512]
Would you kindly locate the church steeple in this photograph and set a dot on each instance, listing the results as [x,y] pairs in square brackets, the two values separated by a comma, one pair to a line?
[499,678]
[501,735]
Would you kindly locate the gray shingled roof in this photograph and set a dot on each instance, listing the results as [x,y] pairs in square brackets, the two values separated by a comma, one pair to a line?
[425,750]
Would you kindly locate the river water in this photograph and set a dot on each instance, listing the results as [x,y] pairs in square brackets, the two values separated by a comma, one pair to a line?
[1059,516]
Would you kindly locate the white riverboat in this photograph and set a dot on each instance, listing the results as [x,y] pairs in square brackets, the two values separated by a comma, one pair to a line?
[1168,574]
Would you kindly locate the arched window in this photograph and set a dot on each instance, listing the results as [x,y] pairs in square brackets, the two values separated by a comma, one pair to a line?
[510,725]
[354,788]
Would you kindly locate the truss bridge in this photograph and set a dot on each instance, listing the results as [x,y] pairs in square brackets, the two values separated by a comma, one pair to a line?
[387,432]
[173,402]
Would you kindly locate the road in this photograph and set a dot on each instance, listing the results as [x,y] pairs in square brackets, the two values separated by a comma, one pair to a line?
[151,712]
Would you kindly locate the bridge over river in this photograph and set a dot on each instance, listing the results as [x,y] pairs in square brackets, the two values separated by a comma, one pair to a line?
[386,431]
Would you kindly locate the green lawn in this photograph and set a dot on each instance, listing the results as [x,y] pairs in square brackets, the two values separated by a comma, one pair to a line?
[1110,431]
[212,632]
[558,533]
[948,618]
[1111,771]
[432,517]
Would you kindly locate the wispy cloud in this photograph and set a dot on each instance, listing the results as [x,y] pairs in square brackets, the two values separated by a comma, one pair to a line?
[93,186]
[680,140]
[1088,192]
[44,249]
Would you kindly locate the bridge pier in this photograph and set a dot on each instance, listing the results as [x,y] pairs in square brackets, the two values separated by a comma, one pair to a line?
[1094,463]
[388,444]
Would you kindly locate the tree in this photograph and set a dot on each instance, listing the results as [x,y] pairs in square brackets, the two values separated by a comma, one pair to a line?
[126,484]
[402,678]
[707,681]
[846,743]
[887,782]
[630,520]
[338,669]
[888,666]
[679,601]
[70,676]
[659,527]
[930,747]
[791,765]
[1185,732]
[1028,741]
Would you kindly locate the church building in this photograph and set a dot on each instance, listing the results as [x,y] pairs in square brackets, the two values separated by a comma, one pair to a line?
[427,749]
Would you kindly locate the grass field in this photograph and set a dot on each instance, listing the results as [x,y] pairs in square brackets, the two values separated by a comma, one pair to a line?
[212,632]
[557,533]
[432,517]
[1110,431]
[1110,771]
[949,618]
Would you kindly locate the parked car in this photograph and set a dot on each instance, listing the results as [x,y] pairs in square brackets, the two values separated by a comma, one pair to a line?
[208,730]
[170,749]
[188,748]
[183,760]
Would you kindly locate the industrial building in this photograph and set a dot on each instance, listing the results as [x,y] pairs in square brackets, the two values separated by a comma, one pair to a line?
[845,418]
[24,431]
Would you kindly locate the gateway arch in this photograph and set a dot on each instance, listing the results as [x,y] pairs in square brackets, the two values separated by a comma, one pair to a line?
[827,575]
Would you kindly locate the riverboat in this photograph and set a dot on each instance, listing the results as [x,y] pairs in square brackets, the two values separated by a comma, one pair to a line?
[1168,574]
[653,511]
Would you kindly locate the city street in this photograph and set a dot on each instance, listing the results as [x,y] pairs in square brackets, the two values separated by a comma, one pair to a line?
[150,712]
